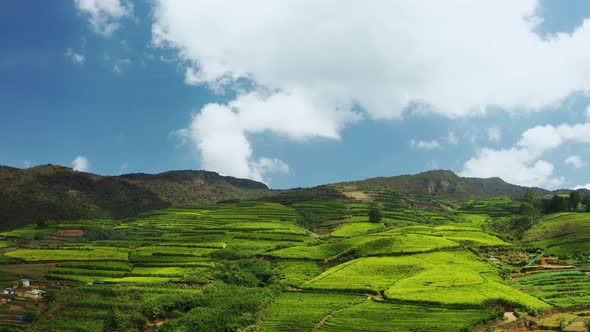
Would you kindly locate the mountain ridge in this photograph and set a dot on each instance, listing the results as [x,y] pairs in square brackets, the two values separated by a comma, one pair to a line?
[49,192]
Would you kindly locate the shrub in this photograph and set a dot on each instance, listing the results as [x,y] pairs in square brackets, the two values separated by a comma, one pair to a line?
[32,314]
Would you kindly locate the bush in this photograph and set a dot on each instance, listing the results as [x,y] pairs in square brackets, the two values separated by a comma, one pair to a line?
[247,272]
[32,314]
[374,214]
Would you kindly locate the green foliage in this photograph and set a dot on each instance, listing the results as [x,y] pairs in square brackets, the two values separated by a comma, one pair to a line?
[32,313]
[449,278]
[563,234]
[223,307]
[219,267]
[575,198]
[384,316]
[374,214]
[247,272]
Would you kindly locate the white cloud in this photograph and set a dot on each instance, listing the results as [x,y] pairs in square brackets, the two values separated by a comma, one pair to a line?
[494,134]
[458,56]
[453,58]
[522,164]
[588,112]
[76,58]
[515,165]
[425,145]
[104,15]
[80,164]
[575,161]
[27,164]
[219,131]
[267,165]
[586,186]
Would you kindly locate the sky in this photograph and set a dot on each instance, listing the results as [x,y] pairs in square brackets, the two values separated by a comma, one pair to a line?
[299,93]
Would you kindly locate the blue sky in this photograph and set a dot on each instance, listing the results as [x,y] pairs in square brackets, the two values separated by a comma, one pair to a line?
[80,80]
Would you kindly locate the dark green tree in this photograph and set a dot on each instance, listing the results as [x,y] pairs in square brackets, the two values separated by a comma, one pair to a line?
[557,204]
[575,199]
[374,213]
[586,203]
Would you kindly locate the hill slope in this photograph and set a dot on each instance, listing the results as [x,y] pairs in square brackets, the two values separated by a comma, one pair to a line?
[442,183]
[54,192]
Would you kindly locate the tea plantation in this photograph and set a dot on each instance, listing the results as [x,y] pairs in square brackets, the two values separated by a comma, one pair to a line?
[290,264]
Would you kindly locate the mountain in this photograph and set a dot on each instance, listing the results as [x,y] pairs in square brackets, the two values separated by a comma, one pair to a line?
[54,192]
[442,183]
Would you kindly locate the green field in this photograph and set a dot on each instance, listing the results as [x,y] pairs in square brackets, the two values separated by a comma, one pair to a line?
[562,234]
[303,266]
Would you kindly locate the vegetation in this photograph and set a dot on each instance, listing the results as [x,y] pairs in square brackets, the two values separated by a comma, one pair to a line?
[338,257]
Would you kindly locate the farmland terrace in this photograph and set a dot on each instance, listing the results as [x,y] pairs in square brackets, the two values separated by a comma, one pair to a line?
[292,264]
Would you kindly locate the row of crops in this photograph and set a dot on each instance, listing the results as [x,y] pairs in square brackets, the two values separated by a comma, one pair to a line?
[301,266]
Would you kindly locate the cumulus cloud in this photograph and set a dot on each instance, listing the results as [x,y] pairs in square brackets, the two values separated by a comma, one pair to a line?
[575,161]
[76,58]
[104,15]
[454,58]
[458,57]
[220,131]
[514,165]
[586,186]
[425,145]
[80,164]
[494,134]
[522,164]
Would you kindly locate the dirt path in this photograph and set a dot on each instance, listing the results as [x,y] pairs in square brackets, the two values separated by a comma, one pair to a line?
[509,317]
[330,315]
[263,316]
[324,320]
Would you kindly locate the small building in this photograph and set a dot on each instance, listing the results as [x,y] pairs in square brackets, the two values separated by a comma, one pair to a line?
[25,282]
[9,291]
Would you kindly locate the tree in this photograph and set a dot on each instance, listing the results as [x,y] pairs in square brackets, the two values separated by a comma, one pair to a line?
[574,199]
[531,198]
[557,204]
[586,202]
[374,214]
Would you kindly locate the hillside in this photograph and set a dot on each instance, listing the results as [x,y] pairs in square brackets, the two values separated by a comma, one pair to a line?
[54,192]
[442,183]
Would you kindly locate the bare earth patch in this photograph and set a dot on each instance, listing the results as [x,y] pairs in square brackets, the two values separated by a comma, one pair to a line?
[69,232]
[358,195]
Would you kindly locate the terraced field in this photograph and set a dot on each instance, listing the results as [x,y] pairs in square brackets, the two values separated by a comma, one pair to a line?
[311,265]
[562,234]
[561,289]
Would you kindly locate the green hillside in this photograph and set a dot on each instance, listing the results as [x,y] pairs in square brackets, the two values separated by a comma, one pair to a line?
[58,193]
[329,258]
